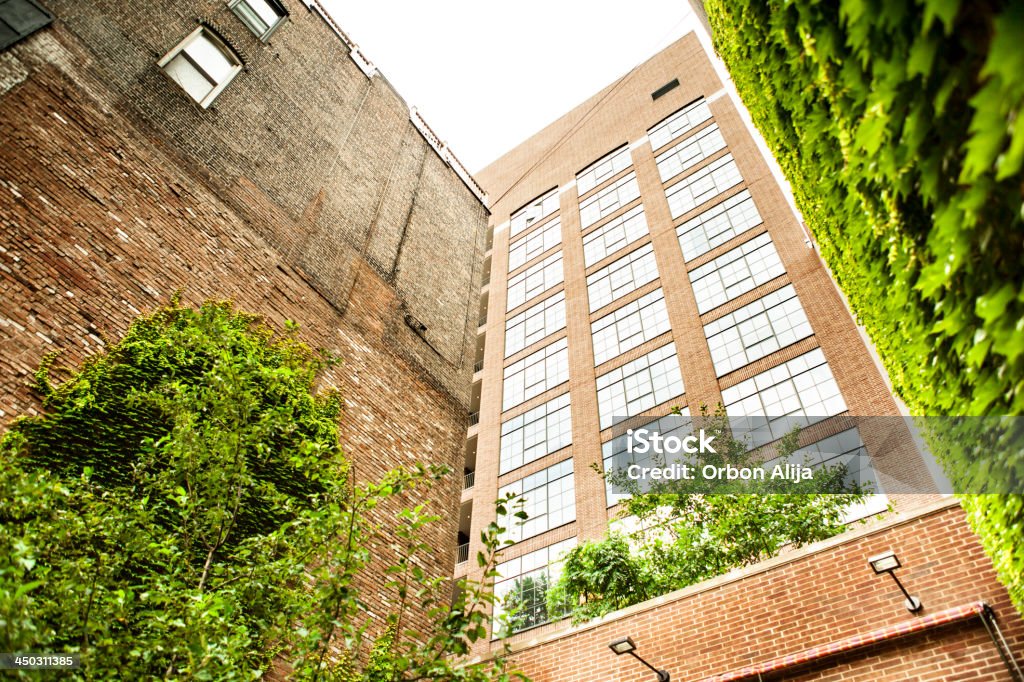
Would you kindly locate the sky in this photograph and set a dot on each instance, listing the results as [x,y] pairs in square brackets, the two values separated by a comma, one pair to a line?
[487,75]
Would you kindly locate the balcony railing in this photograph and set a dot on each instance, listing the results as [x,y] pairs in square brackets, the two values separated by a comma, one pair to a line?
[483,320]
[479,366]
[474,418]
[468,480]
[463,555]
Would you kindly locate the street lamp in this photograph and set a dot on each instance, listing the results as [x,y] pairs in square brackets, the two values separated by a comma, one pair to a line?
[888,562]
[626,645]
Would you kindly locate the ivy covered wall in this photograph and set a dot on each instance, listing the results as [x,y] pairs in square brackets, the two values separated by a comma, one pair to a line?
[897,124]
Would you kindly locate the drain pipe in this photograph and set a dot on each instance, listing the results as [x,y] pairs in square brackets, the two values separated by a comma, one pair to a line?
[988,617]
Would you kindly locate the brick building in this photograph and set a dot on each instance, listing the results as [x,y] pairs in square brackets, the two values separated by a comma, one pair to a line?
[241,150]
[642,256]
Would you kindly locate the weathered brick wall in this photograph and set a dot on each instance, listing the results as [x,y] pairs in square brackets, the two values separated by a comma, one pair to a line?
[115,191]
[814,596]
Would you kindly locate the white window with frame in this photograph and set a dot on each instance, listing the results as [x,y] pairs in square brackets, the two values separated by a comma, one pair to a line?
[614,235]
[534,434]
[639,385]
[604,168]
[202,65]
[735,272]
[717,225]
[535,280]
[523,584]
[262,17]
[621,277]
[703,185]
[522,251]
[536,373]
[531,214]
[629,326]
[690,152]
[534,323]
[757,329]
[796,393]
[617,457]
[678,124]
[549,500]
[608,200]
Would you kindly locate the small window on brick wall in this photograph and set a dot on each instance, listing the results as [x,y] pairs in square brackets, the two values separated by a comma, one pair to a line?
[202,65]
[262,17]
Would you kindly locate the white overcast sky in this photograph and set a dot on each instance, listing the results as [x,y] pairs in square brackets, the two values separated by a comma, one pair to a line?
[486,76]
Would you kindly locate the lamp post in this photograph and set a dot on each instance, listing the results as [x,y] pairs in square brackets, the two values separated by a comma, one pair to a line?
[888,562]
[626,645]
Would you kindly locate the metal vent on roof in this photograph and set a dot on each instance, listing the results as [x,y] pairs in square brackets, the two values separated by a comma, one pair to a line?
[671,85]
[19,19]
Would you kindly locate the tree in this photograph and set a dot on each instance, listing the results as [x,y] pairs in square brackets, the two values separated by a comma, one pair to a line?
[687,531]
[182,509]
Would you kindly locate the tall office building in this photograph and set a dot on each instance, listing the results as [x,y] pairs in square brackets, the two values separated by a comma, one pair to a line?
[643,258]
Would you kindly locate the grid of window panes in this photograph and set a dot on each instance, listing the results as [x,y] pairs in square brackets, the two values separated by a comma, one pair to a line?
[678,124]
[843,449]
[629,326]
[534,323]
[639,385]
[534,434]
[614,235]
[602,169]
[616,455]
[771,322]
[717,225]
[690,152]
[523,586]
[620,277]
[796,393]
[535,211]
[549,500]
[534,244]
[735,272]
[702,185]
[608,200]
[536,373]
[535,280]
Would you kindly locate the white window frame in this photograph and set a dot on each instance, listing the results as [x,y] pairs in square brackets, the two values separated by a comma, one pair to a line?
[690,152]
[264,36]
[534,212]
[535,434]
[606,167]
[678,124]
[633,384]
[537,373]
[622,277]
[627,327]
[203,33]
[711,228]
[537,242]
[614,236]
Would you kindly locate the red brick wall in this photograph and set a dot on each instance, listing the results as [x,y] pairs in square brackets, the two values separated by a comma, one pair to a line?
[813,596]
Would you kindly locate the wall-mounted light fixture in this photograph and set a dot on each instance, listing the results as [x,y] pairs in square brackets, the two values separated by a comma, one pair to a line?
[888,562]
[625,645]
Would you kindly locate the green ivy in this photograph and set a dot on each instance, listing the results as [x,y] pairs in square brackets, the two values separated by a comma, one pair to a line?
[897,124]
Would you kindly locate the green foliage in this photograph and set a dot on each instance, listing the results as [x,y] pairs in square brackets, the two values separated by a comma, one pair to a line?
[687,532]
[182,510]
[897,123]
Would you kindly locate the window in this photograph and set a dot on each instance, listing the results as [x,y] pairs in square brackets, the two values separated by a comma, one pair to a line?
[639,385]
[536,373]
[799,392]
[703,185]
[603,169]
[629,326]
[678,124]
[534,280]
[20,19]
[534,323]
[535,434]
[617,457]
[536,210]
[617,279]
[845,447]
[735,272]
[262,17]
[202,65]
[717,225]
[534,244]
[690,152]
[756,330]
[614,235]
[608,200]
[549,499]
[523,584]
